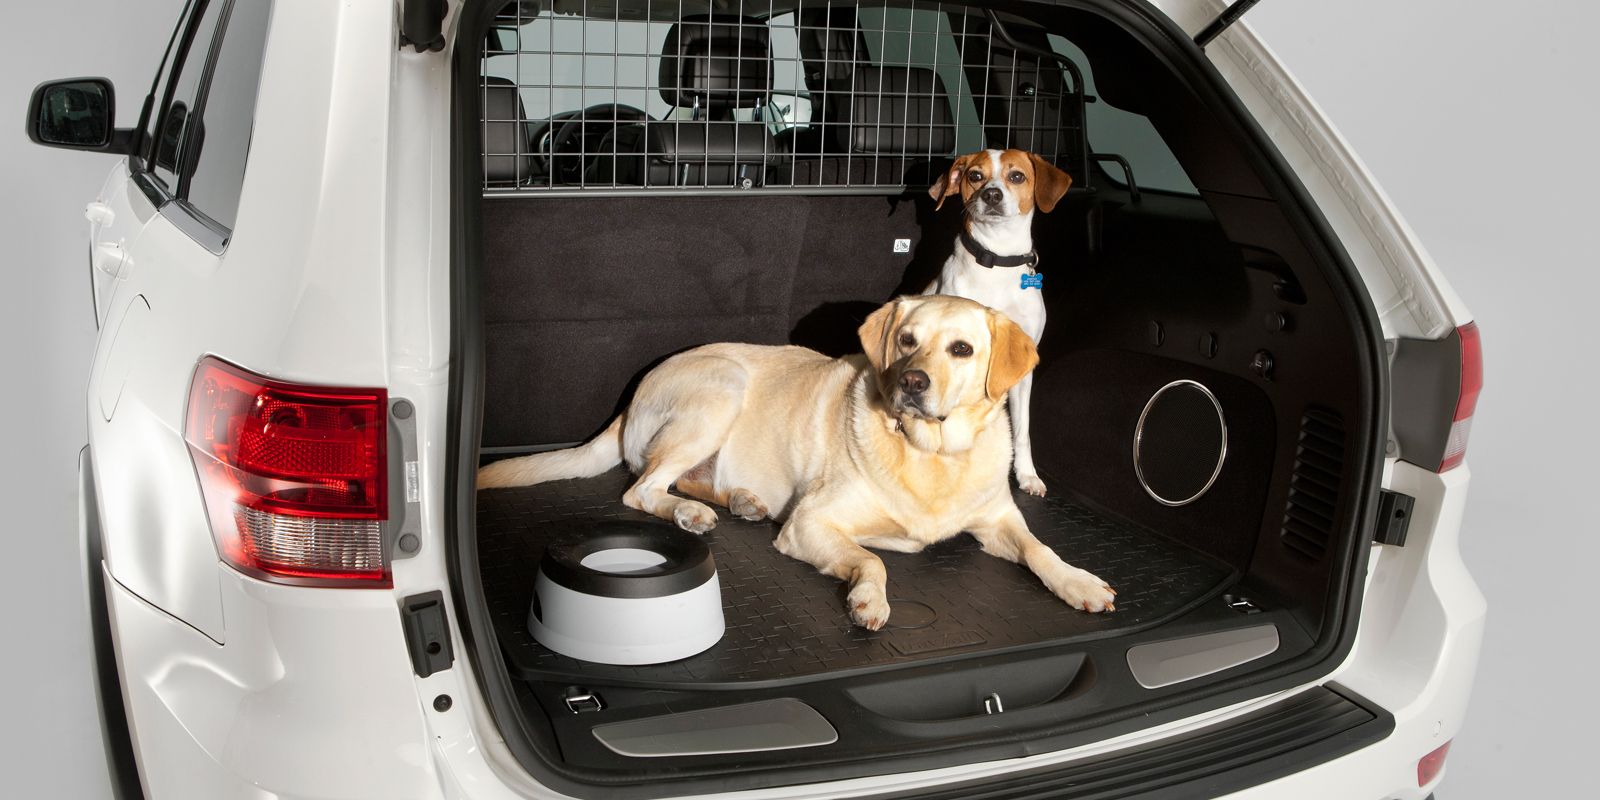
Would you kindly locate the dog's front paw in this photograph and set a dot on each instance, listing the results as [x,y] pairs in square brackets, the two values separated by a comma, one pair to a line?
[744,504]
[694,517]
[1031,484]
[1083,591]
[869,607]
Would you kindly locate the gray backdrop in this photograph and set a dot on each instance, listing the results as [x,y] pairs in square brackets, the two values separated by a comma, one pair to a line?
[1480,124]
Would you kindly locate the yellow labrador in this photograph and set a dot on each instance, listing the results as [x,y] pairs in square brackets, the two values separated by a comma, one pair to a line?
[895,449]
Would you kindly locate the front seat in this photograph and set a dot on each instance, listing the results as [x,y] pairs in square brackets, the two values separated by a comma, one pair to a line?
[507,153]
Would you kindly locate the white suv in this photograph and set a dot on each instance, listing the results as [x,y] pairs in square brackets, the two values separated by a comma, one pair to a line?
[357,249]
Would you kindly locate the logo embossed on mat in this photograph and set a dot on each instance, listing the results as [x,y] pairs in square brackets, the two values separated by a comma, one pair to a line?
[935,641]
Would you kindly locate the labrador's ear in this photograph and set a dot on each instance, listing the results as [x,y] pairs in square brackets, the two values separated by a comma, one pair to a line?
[877,334]
[1049,184]
[1012,354]
[948,185]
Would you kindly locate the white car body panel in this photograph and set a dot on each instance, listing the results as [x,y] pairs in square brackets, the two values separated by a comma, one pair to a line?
[339,273]
[312,696]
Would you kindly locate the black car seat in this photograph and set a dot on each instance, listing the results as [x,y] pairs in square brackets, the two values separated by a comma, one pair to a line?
[507,151]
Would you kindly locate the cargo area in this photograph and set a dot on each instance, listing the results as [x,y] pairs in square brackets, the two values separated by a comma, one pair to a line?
[785,621]
[1205,277]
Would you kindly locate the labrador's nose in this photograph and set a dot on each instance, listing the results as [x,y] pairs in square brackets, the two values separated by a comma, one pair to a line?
[991,195]
[914,381]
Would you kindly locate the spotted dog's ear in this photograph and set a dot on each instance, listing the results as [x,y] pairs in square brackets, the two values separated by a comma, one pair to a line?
[1012,354]
[1049,183]
[877,334]
[950,184]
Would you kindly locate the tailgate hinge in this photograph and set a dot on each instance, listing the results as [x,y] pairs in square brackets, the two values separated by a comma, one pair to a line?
[1394,517]
[1229,15]
[427,632]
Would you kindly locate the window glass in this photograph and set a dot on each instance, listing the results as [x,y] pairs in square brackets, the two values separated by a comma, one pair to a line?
[922,38]
[1124,133]
[221,140]
[182,93]
[566,64]
[790,102]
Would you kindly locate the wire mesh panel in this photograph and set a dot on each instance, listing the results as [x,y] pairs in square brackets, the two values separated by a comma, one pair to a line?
[815,96]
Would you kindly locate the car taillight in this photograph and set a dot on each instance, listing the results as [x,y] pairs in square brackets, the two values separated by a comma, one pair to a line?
[294,477]
[1429,766]
[1455,448]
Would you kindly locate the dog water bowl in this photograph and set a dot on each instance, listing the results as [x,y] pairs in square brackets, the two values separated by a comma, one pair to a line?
[627,593]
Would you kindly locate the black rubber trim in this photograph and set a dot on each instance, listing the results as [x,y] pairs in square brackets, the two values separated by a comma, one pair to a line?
[1188,62]
[122,766]
[1300,732]
[689,563]
[1426,375]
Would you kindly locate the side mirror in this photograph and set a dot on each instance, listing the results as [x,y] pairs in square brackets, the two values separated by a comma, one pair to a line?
[76,114]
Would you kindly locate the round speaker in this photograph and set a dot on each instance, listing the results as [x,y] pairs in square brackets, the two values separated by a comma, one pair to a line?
[1180,443]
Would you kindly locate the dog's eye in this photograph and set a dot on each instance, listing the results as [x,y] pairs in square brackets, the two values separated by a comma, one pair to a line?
[907,340]
[1017,177]
[975,176]
[960,349]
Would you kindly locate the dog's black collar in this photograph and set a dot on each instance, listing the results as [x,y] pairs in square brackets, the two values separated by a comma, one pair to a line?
[990,260]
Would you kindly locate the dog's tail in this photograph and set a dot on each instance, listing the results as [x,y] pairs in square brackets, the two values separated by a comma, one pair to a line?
[584,461]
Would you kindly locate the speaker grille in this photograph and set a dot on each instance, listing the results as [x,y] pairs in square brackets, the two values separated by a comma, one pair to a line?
[1314,486]
[1180,443]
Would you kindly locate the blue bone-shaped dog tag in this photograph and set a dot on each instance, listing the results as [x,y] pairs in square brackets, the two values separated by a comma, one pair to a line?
[1034,281]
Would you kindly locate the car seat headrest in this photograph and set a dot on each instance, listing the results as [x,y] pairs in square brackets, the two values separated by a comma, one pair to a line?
[721,60]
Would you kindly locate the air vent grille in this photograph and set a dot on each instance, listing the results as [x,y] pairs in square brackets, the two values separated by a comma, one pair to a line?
[1314,488]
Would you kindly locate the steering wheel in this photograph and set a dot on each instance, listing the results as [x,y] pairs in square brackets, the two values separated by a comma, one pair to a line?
[580,134]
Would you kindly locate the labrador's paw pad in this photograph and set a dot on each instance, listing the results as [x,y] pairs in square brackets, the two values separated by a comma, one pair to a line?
[744,504]
[1085,592]
[694,517]
[869,607]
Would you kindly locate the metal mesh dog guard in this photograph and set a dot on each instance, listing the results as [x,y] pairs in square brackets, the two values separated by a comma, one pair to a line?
[773,96]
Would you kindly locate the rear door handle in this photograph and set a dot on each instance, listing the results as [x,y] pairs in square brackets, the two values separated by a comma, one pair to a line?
[99,213]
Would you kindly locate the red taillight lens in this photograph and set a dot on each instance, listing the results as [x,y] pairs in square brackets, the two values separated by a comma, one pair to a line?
[1429,766]
[1455,448]
[294,477]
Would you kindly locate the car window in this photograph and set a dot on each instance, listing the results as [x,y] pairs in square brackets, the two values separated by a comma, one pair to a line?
[921,36]
[221,138]
[174,121]
[1124,133]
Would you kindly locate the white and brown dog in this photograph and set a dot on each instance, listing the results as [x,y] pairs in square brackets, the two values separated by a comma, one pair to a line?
[995,263]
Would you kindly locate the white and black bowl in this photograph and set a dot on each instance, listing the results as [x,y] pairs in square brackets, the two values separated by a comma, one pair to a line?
[627,593]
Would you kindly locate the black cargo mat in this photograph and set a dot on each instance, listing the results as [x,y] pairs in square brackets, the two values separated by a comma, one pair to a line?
[787,621]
